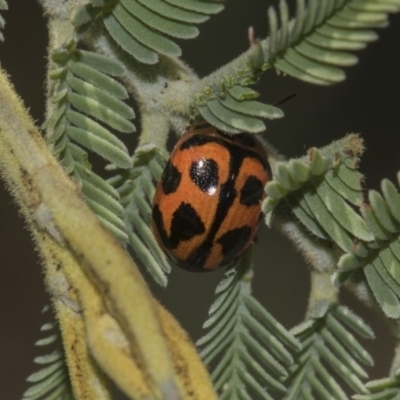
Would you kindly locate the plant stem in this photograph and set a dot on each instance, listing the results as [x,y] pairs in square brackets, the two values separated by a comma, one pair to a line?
[53,207]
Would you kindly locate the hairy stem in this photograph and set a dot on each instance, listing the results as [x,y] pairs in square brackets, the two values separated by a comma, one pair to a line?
[322,258]
[53,206]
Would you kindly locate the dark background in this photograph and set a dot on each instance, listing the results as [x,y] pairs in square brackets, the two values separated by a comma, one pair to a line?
[367,102]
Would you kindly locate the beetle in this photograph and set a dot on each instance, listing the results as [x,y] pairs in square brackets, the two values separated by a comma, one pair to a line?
[207,204]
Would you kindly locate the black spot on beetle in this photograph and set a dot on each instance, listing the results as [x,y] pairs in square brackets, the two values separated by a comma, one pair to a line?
[159,223]
[251,192]
[185,225]
[233,242]
[171,178]
[195,262]
[204,173]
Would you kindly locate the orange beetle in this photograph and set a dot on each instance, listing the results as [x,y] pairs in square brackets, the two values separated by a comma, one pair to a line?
[207,205]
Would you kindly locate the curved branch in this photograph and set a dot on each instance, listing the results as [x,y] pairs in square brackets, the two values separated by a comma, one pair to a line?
[53,206]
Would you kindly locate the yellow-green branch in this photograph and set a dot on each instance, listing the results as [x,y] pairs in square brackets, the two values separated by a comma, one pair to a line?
[56,213]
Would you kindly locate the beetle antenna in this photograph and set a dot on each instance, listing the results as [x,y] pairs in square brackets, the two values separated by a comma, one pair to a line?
[285,99]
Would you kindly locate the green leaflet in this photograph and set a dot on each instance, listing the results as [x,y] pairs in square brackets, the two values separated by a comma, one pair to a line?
[386,388]
[97,130]
[337,58]
[346,181]
[314,46]
[241,123]
[382,258]
[383,212]
[332,224]
[136,188]
[204,7]
[299,171]
[246,345]
[302,211]
[383,6]
[128,43]
[349,219]
[209,116]
[100,112]
[289,69]
[283,175]
[51,381]
[236,111]
[251,108]
[102,64]
[392,198]
[98,78]
[3,6]
[155,21]
[328,342]
[314,69]
[174,12]
[241,93]
[356,39]
[104,99]
[142,28]
[89,104]
[145,35]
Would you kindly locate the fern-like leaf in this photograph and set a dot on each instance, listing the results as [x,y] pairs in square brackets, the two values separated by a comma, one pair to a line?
[235,109]
[87,104]
[315,45]
[136,189]
[324,192]
[51,381]
[381,261]
[385,389]
[329,346]
[3,6]
[244,342]
[321,189]
[142,27]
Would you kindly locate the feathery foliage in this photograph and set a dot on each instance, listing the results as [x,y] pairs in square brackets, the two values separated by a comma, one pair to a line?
[136,189]
[51,381]
[244,342]
[324,189]
[380,261]
[314,47]
[3,6]
[329,346]
[321,190]
[316,44]
[235,109]
[142,27]
[87,104]
[385,389]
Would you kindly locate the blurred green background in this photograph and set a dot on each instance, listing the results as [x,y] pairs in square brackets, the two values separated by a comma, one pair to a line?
[367,102]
